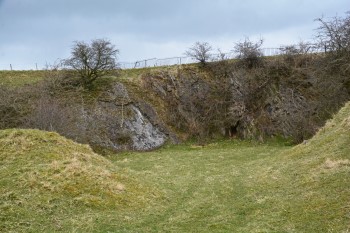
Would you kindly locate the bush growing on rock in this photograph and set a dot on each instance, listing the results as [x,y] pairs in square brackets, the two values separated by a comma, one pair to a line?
[249,52]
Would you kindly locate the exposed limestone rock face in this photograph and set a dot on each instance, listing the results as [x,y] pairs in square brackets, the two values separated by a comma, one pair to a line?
[144,135]
[116,122]
[112,120]
[118,95]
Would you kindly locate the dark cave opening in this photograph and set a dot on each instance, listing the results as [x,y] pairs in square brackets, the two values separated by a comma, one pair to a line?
[232,131]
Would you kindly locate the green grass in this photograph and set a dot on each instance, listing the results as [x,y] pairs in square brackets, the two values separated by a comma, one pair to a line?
[49,183]
[225,186]
[245,187]
[207,189]
[20,78]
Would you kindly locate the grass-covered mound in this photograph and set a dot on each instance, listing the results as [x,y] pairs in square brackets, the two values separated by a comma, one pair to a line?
[311,181]
[332,142]
[49,183]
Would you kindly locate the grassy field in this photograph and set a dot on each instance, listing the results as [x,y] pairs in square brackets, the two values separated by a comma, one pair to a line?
[51,184]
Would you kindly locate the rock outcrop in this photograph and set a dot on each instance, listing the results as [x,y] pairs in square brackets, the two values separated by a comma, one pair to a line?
[119,123]
[111,120]
[257,103]
[220,99]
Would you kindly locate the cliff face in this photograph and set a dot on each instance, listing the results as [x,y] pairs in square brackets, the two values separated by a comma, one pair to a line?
[145,109]
[120,124]
[111,119]
[222,99]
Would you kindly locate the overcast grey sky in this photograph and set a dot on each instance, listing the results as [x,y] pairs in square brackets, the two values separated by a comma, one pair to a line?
[42,31]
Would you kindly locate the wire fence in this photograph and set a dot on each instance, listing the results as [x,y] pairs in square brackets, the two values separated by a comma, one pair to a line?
[157,62]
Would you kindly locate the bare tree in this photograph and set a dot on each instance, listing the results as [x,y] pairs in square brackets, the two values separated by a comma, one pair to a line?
[93,60]
[299,49]
[200,52]
[297,54]
[249,52]
[334,35]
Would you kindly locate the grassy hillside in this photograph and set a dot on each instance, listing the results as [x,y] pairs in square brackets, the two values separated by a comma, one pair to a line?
[20,78]
[49,183]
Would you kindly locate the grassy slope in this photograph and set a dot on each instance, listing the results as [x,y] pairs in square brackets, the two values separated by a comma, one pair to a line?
[20,78]
[318,174]
[50,183]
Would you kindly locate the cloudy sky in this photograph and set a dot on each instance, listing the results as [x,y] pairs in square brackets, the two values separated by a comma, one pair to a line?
[42,31]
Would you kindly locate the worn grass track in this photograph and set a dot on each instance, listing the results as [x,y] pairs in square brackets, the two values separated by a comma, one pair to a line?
[243,187]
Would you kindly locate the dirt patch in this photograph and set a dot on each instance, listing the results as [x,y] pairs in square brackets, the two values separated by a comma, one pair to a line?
[335,164]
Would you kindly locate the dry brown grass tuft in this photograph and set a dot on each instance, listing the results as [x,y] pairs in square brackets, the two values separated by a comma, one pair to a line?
[334,164]
[346,122]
